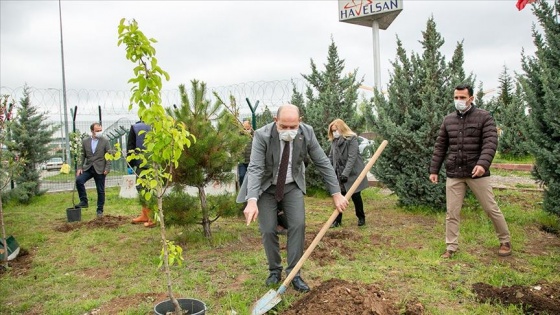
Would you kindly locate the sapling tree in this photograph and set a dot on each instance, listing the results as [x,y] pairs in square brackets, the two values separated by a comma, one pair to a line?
[166,140]
[10,164]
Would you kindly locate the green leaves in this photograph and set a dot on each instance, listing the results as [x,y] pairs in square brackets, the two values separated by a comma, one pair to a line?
[175,254]
[166,140]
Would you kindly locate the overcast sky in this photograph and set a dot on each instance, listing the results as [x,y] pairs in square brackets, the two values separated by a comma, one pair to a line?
[230,42]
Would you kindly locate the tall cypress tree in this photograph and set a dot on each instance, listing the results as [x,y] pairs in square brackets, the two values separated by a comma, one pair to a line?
[510,118]
[31,136]
[541,84]
[420,94]
[330,94]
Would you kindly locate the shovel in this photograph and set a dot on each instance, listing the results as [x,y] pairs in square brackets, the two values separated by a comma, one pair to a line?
[272,297]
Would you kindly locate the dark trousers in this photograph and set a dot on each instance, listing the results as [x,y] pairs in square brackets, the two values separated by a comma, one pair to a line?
[99,184]
[358,205]
[242,170]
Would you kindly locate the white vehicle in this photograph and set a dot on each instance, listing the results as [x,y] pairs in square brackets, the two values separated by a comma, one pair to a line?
[54,163]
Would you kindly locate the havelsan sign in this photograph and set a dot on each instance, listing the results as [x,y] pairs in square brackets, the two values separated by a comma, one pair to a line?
[364,12]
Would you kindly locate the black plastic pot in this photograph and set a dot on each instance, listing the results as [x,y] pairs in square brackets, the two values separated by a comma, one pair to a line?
[191,306]
[74,214]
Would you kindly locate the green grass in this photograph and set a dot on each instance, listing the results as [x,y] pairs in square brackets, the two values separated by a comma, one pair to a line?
[79,271]
[500,158]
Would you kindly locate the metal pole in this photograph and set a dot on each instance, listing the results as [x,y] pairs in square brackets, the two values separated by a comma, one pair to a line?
[376,62]
[67,137]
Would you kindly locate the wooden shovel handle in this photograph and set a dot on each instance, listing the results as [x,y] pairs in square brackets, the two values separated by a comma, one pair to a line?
[333,216]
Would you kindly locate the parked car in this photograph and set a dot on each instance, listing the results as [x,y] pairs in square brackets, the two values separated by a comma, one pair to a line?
[54,163]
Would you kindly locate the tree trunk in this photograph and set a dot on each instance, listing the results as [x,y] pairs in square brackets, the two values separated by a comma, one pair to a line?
[178,309]
[205,215]
[4,242]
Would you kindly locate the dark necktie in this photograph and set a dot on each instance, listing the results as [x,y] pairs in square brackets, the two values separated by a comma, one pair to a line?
[282,172]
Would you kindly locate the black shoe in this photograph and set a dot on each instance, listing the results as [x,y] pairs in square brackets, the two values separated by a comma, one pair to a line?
[273,278]
[300,285]
[335,224]
[361,222]
[82,204]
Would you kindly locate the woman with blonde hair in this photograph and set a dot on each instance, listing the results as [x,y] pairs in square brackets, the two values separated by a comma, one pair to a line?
[348,164]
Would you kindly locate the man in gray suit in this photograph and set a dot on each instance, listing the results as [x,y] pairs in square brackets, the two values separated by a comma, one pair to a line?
[261,190]
[93,165]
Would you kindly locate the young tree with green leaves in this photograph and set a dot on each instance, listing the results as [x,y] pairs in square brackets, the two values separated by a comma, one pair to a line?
[420,94]
[31,136]
[541,85]
[165,142]
[10,165]
[220,144]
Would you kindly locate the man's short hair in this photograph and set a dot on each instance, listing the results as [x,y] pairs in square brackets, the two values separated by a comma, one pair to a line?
[464,86]
[93,125]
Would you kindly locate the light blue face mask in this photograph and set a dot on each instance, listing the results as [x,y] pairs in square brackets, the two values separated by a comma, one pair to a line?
[287,135]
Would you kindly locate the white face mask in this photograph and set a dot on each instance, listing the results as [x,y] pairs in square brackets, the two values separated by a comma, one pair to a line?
[336,134]
[461,105]
[287,135]
[98,134]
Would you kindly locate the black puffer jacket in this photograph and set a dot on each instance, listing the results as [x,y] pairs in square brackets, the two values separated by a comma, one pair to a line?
[468,139]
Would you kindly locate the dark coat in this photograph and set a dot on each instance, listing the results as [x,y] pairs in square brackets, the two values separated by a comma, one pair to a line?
[468,140]
[349,162]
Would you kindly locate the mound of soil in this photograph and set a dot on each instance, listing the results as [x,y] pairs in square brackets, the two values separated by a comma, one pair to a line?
[341,297]
[106,221]
[538,299]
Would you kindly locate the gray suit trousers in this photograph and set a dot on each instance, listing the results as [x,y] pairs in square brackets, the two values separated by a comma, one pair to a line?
[294,209]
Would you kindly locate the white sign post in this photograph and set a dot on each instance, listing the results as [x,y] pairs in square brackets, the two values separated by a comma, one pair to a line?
[377,14]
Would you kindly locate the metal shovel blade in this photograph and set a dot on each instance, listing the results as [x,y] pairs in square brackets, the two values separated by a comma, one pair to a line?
[266,303]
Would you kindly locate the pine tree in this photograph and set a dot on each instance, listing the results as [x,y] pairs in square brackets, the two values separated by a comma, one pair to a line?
[541,84]
[31,136]
[264,118]
[218,146]
[420,94]
[329,95]
[510,118]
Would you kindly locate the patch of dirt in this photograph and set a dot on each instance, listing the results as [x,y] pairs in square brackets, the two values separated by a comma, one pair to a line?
[538,299]
[122,303]
[334,244]
[106,221]
[341,297]
[20,265]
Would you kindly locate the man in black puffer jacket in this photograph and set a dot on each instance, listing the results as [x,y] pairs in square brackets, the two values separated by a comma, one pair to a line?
[469,139]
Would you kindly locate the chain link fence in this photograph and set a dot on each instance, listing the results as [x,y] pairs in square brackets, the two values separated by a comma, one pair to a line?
[111,108]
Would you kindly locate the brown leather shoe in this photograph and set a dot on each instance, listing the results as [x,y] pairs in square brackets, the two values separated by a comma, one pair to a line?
[448,254]
[505,249]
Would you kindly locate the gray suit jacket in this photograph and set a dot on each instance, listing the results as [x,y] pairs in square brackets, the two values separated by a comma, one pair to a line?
[265,159]
[97,159]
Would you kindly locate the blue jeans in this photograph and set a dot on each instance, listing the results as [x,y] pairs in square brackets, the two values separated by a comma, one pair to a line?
[99,184]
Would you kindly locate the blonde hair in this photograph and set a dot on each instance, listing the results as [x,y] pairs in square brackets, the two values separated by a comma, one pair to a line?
[342,128]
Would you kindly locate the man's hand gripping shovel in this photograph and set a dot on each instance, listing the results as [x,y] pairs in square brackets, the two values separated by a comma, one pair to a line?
[272,297]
